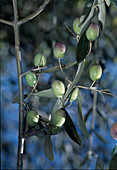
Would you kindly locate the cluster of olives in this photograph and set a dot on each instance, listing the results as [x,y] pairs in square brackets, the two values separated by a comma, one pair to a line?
[58,119]
[91,33]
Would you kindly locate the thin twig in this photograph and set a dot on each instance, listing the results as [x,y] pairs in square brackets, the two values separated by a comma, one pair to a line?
[99,91]
[98,4]
[34,14]
[63,72]
[70,30]
[6,22]
[33,70]
[89,48]
[28,134]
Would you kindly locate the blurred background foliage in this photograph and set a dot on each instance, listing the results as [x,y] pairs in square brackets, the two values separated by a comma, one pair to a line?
[40,35]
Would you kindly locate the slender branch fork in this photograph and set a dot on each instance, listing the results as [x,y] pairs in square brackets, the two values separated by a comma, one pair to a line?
[16,25]
[29,17]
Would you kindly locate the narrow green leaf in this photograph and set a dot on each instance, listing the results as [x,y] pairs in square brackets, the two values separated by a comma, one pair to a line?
[16,100]
[113,163]
[100,137]
[48,148]
[71,130]
[102,13]
[87,16]
[114,2]
[45,93]
[107,2]
[114,151]
[57,68]
[99,164]
[88,114]
[86,10]
[82,48]
[85,159]
[80,118]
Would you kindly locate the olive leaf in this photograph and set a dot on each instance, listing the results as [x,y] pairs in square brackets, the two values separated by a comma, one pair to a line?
[107,2]
[114,2]
[86,10]
[102,13]
[87,16]
[45,93]
[114,151]
[48,148]
[85,159]
[16,100]
[88,114]
[100,137]
[82,48]
[57,68]
[99,164]
[113,162]
[80,118]
[71,130]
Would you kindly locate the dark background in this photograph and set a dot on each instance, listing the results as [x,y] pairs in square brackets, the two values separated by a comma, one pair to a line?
[38,35]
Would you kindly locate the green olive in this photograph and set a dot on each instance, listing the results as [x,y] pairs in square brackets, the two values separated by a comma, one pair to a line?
[39,59]
[58,88]
[59,118]
[114,131]
[32,118]
[74,95]
[55,130]
[59,50]
[92,32]
[76,28]
[95,72]
[31,79]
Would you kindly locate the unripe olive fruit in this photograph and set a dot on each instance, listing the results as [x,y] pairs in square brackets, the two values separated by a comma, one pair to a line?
[92,32]
[31,79]
[59,50]
[75,26]
[39,59]
[58,88]
[95,72]
[114,131]
[32,117]
[59,118]
[55,131]
[74,95]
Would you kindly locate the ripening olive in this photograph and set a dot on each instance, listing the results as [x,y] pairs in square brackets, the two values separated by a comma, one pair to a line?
[32,117]
[58,88]
[39,59]
[76,28]
[59,118]
[31,79]
[95,72]
[92,32]
[59,50]
[114,131]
